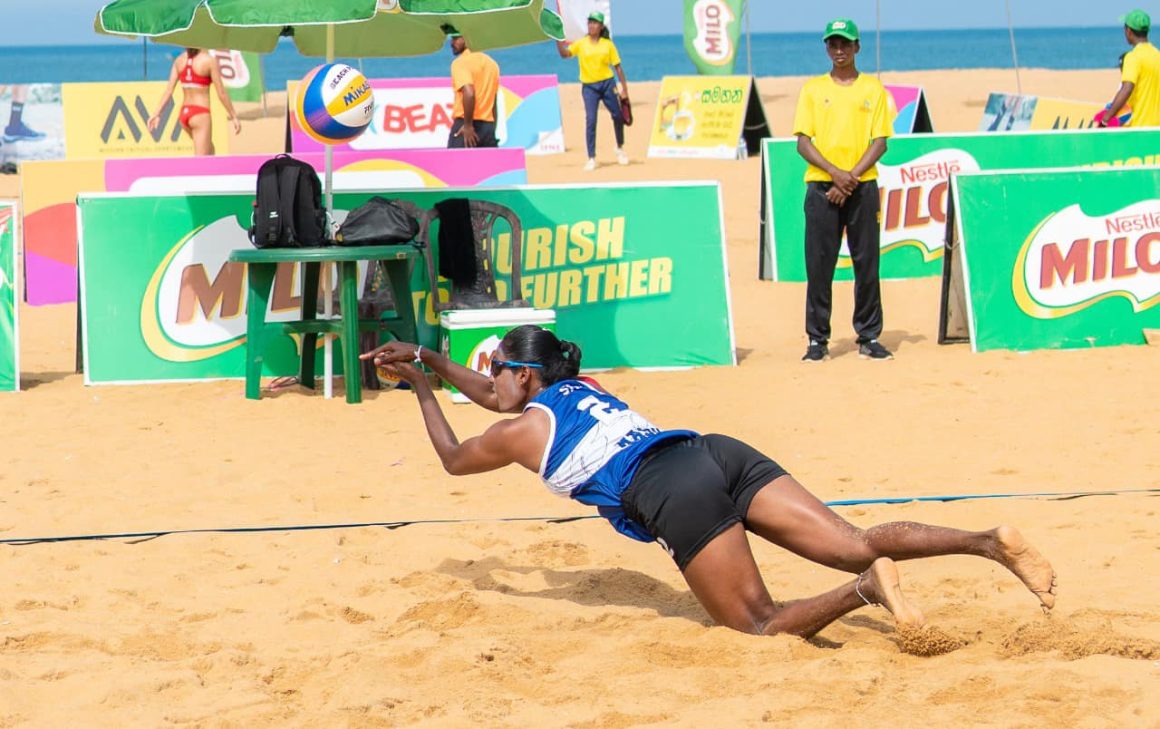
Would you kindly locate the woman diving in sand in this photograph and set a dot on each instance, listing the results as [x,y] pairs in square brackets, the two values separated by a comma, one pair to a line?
[696,495]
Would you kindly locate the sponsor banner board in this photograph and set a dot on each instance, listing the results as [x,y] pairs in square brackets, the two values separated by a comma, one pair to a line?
[49,191]
[39,129]
[109,120]
[913,178]
[241,74]
[9,301]
[415,113]
[612,261]
[712,117]
[1058,258]
[1016,112]
[908,106]
[712,32]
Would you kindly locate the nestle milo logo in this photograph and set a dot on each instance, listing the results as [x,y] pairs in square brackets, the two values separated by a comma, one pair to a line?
[194,306]
[712,42]
[127,120]
[913,198]
[482,354]
[1073,260]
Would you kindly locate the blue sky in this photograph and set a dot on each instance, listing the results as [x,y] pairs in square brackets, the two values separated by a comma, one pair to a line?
[71,20]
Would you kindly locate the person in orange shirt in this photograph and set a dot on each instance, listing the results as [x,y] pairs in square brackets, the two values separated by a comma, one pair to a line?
[475,79]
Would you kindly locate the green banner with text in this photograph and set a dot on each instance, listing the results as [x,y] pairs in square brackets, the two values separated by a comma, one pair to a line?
[712,33]
[9,301]
[635,273]
[913,178]
[1057,258]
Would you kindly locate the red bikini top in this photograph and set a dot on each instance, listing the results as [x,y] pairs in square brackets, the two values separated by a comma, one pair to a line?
[190,77]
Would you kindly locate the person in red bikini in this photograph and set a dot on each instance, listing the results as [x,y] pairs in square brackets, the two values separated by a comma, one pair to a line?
[196,70]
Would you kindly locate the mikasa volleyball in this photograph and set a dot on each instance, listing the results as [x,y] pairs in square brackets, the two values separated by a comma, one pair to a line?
[334,103]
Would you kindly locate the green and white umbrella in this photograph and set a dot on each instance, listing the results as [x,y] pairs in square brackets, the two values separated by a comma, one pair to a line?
[356,28]
[353,28]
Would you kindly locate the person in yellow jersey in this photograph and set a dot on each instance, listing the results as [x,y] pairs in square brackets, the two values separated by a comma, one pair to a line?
[1139,77]
[475,79]
[599,68]
[841,124]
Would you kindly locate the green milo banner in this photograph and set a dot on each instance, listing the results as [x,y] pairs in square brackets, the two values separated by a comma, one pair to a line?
[913,177]
[635,273]
[9,301]
[712,32]
[1055,258]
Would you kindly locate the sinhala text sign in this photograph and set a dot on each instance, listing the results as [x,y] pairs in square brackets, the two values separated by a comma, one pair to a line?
[716,117]
[612,261]
[913,180]
[1054,258]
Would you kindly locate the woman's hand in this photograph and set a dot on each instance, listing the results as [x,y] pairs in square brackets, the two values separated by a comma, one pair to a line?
[153,122]
[237,124]
[406,371]
[391,352]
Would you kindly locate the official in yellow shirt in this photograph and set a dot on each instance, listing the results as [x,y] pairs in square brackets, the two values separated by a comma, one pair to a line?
[475,79]
[599,68]
[1139,77]
[842,122]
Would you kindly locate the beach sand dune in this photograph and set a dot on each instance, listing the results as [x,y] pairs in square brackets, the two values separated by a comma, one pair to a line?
[533,623]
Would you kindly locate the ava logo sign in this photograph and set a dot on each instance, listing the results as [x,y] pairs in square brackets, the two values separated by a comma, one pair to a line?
[194,307]
[127,121]
[712,43]
[914,201]
[1073,260]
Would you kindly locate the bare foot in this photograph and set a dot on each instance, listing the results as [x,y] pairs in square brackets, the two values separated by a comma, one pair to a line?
[1016,554]
[880,584]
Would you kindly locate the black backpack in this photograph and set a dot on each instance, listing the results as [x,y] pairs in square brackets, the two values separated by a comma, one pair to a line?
[288,211]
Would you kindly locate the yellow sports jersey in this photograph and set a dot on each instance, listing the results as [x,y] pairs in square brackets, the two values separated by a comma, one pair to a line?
[479,71]
[596,59]
[842,121]
[1142,68]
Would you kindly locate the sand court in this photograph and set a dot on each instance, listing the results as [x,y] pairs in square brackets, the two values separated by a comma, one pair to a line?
[534,623]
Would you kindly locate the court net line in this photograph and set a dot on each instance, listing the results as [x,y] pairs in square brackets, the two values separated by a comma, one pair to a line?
[144,536]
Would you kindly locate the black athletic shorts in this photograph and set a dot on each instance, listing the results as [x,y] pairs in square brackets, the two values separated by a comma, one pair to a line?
[685,492]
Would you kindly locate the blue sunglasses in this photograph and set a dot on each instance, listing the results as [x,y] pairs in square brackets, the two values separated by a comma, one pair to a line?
[498,365]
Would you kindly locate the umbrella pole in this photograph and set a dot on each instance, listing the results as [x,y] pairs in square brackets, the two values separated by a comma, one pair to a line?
[1014,55]
[327,289]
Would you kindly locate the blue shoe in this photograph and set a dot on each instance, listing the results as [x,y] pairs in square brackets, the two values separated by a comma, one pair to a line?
[20,133]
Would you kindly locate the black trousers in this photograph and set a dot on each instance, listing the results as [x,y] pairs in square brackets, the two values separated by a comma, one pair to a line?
[825,222]
[485,130]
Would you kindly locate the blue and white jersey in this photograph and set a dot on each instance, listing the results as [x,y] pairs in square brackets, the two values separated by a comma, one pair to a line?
[594,448]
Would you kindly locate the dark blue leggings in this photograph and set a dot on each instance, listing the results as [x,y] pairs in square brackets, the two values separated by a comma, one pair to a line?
[593,94]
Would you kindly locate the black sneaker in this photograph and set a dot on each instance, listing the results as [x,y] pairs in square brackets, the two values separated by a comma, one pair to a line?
[873,350]
[816,352]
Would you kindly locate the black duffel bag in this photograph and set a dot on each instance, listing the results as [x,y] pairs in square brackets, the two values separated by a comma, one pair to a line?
[375,223]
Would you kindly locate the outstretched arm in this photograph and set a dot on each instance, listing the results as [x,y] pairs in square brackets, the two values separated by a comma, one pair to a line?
[562,49]
[518,440]
[475,386]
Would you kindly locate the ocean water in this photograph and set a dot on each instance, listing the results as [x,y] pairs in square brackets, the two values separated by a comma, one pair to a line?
[646,58]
